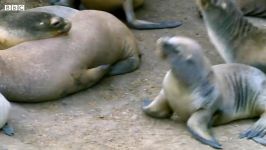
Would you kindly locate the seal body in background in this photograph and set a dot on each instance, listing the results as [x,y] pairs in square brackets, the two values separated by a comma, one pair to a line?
[112,5]
[235,38]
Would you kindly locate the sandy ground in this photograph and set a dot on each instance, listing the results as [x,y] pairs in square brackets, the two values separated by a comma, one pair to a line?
[108,115]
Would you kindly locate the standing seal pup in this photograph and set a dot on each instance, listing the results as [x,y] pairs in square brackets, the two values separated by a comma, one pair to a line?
[113,5]
[18,27]
[4,113]
[236,39]
[204,95]
[52,68]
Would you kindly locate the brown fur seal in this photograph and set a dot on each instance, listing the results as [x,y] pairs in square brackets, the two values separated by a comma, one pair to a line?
[112,5]
[4,113]
[236,39]
[18,27]
[205,95]
[51,68]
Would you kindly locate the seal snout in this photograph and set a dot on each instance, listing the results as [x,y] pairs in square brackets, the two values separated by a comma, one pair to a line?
[164,47]
[60,23]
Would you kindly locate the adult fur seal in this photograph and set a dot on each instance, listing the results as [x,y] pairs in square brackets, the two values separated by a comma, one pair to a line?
[204,95]
[52,68]
[4,113]
[18,27]
[236,39]
[112,5]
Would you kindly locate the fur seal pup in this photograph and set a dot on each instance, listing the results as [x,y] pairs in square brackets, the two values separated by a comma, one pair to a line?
[236,39]
[204,95]
[18,27]
[112,5]
[52,68]
[4,113]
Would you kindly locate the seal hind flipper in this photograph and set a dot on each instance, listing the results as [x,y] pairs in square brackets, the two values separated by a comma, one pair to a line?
[198,126]
[125,66]
[256,132]
[144,25]
[8,129]
[158,108]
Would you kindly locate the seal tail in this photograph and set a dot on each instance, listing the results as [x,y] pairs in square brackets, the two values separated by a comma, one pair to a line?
[257,132]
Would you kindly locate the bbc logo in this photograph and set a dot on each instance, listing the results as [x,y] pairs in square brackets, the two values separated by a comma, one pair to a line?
[14,7]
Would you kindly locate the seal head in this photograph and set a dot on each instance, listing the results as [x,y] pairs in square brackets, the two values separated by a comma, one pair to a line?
[17,27]
[183,54]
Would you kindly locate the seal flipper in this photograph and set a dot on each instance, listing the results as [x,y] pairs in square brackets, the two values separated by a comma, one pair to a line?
[198,126]
[158,108]
[144,25]
[8,130]
[125,66]
[257,132]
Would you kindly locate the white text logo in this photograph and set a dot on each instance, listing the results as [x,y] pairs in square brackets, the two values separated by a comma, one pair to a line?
[14,7]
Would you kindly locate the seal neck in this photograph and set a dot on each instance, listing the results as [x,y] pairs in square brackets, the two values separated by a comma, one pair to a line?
[227,31]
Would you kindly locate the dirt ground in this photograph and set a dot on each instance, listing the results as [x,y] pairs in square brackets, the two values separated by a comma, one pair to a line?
[108,115]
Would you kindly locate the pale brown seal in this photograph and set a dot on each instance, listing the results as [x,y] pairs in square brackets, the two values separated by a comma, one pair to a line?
[18,27]
[51,68]
[112,5]
[203,95]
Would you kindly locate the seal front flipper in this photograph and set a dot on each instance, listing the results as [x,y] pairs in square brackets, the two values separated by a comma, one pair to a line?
[198,126]
[125,66]
[257,132]
[144,25]
[158,108]
[8,130]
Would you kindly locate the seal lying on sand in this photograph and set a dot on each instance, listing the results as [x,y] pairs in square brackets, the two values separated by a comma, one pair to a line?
[4,113]
[18,27]
[234,37]
[204,95]
[52,68]
[112,5]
